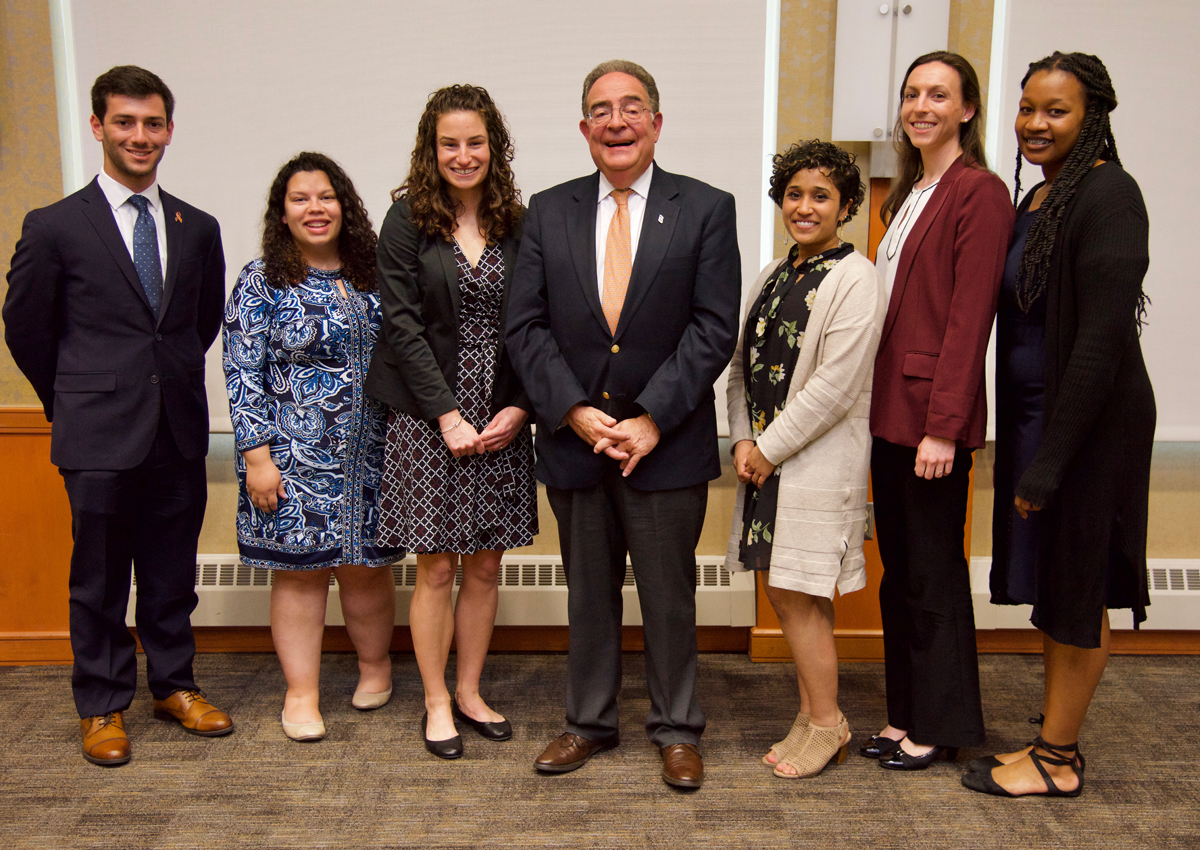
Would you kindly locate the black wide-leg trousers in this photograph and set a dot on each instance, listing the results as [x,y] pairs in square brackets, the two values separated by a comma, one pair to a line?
[932,670]
[659,530]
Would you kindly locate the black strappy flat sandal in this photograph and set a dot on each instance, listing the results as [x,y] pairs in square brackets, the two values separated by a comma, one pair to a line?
[1065,755]
[986,763]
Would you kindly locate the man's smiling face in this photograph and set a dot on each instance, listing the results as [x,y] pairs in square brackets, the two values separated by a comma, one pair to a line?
[622,149]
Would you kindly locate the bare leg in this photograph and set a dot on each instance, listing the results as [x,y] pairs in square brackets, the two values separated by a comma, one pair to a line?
[369,607]
[1072,675]
[474,617]
[297,626]
[807,625]
[431,619]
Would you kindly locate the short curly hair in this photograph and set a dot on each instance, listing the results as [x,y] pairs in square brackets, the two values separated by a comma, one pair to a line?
[826,157]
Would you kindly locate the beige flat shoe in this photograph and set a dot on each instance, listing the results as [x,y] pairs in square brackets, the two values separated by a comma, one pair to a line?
[364,701]
[302,731]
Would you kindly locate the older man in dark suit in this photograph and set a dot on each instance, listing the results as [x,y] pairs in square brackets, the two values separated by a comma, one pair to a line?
[622,315]
[115,293]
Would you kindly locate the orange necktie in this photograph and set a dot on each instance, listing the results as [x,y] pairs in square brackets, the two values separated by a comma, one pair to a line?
[618,260]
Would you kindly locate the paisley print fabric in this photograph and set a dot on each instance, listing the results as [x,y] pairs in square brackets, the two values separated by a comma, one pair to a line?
[295,359]
[435,502]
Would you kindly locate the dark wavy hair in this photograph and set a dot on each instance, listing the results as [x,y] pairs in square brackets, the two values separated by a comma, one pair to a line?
[1095,142]
[129,81]
[970,133]
[356,242]
[827,158]
[434,211]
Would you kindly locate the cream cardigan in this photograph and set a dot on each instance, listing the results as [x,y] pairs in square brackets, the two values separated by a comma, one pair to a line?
[821,442]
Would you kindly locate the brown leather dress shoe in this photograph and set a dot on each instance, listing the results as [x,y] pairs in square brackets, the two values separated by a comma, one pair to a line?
[195,713]
[104,740]
[568,752]
[682,766]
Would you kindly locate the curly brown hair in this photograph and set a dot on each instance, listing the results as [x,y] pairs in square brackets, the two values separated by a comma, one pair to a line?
[826,157]
[434,212]
[356,243]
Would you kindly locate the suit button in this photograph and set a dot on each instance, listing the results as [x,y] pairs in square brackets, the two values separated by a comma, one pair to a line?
[158,337]
[605,395]
[615,349]
[154,379]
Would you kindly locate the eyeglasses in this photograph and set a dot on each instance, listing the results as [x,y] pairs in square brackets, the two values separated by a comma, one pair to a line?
[600,115]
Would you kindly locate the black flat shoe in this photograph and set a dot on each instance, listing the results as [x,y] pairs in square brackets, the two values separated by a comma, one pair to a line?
[1064,756]
[498,731]
[878,746]
[451,748]
[900,760]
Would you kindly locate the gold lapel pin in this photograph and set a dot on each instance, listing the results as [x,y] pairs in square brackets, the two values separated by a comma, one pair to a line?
[179,217]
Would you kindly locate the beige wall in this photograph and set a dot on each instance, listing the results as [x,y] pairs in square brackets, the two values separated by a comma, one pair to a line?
[30,166]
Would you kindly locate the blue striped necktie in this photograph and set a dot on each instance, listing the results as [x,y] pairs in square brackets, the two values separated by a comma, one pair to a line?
[145,253]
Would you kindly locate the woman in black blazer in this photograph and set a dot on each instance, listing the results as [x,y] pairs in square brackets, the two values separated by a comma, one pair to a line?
[1075,411]
[458,474]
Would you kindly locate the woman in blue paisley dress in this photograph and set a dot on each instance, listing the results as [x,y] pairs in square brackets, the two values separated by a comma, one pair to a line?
[300,327]
[458,477]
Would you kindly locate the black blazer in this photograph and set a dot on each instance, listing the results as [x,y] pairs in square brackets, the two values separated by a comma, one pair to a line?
[676,333]
[415,365]
[79,326]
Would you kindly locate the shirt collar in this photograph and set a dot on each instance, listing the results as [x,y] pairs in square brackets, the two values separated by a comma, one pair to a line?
[117,194]
[641,186]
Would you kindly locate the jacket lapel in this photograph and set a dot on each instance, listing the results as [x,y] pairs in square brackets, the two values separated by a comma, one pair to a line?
[174,222]
[658,225]
[912,243]
[581,243]
[99,213]
[445,251]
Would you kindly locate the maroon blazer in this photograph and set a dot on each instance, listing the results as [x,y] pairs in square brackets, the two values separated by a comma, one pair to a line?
[929,369]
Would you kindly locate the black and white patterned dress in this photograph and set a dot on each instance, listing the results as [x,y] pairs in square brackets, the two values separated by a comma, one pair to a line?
[433,501]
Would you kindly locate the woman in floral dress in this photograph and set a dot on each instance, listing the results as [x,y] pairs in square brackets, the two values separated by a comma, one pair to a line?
[458,479]
[300,328]
[798,400]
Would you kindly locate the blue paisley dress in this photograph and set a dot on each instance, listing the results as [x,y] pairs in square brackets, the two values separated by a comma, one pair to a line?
[295,359]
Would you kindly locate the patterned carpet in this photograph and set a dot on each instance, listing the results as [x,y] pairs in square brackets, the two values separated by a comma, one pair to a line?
[371,783]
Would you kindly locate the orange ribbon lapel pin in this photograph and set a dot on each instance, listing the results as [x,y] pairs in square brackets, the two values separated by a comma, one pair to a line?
[179,217]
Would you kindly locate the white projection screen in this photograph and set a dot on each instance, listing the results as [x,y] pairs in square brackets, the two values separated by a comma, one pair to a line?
[256,82]
[1149,49]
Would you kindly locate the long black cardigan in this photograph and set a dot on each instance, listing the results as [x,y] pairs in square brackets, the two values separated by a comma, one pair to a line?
[1091,474]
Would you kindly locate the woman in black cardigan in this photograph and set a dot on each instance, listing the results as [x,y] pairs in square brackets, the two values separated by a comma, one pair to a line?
[458,472]
[1075,426]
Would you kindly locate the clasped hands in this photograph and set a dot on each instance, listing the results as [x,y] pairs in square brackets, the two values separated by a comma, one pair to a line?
[751,466]
[627,441]
[462,439]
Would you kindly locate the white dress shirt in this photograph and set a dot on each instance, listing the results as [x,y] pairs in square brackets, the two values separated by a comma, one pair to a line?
[887,255]
[126,214]
[608,208]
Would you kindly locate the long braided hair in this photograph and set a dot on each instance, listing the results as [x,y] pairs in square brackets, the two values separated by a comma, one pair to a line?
[1095,142]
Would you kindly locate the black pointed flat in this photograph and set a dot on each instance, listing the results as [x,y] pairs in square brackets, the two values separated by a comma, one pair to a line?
[498,731]
[878,746]
[900,760]
[450,748]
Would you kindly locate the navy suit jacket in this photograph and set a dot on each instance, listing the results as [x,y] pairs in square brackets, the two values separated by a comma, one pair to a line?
[80,327]
[676,333]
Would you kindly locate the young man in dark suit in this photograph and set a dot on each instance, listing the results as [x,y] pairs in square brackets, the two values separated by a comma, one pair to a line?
[115,293]
[623,313]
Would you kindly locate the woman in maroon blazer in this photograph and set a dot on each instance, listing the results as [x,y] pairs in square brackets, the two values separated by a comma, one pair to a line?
[949,221]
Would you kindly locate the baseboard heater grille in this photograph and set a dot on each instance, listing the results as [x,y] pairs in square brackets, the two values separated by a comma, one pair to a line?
[1174,598]
[533,592]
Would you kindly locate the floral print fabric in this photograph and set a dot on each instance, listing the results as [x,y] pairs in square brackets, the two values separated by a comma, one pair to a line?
[774,331]
[295,359]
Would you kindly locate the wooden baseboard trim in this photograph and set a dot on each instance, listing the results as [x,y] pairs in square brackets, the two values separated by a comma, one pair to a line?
[23,420]
[29,648]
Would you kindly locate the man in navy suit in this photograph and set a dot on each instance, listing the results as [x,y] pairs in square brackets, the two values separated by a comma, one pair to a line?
[115,293]
[622,315]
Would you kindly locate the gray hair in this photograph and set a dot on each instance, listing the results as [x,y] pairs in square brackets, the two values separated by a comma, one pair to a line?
[621,66]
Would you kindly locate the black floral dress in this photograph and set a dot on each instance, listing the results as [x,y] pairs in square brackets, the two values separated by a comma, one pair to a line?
[771,341]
